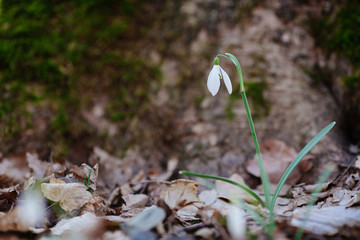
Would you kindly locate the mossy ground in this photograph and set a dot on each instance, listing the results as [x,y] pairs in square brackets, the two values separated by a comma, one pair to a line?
[339,31]
[57,56]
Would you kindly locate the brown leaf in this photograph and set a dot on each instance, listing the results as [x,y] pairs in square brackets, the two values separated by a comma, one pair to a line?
[135,201]
[357,163]
[115,235]
[13,221]
[276,156]
[13,170]
[69,195]
[85,226]
[81,174]
[180,193]
[117,173]
[38,167]
[211,200]
[182,196]
[327,221]
[171,166]
[232,192]
[29,213]
[8,197]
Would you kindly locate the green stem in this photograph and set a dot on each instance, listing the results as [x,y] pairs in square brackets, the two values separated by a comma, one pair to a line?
[264,176]
[248,190]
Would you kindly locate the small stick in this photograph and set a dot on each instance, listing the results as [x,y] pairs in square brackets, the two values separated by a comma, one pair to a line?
[346,170]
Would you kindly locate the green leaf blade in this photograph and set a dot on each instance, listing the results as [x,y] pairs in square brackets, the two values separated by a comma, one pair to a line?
[297,159]
[246,189]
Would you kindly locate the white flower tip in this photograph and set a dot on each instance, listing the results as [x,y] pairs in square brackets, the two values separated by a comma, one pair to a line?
[213,93]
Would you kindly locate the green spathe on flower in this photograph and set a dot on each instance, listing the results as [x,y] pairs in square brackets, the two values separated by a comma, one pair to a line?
[217,73]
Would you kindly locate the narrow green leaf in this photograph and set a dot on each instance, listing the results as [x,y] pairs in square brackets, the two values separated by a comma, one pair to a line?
[296,161]
[255,215]
[248,190]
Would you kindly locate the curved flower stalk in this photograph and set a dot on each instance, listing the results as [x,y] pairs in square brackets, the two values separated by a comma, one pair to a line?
[217,73]
[213,84]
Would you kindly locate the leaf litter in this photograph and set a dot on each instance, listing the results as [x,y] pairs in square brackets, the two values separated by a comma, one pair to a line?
[113,198]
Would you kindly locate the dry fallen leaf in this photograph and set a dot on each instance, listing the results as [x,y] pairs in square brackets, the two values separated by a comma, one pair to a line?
[206,233]
[38,167]
[343,197]
[13,221]
[135,201]
[180,193]
[117,173]
[146,220]
[182,196]
[115,235]
[86,225]
[357,163]
[8,197]
[326,221]
[69,195]
[13,170]
[276,156]
[171,166]
[232,192]
[213,203]
[81,174]
[29,213]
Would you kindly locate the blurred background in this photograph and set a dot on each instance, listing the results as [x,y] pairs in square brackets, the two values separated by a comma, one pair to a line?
[130,75]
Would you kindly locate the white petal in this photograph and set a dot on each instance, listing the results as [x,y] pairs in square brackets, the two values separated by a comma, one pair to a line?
[226,80]
[213,82]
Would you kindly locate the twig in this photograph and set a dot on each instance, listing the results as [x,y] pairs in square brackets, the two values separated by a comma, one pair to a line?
[195,227]
[345,171]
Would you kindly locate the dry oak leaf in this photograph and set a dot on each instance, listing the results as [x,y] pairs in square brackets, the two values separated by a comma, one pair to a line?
[83,226]
[13,221]
[82,173]
[276,156]
[326,221]
[180,193]
[38,167]
[135,201]
[232,192]
[69,195]
[214,203]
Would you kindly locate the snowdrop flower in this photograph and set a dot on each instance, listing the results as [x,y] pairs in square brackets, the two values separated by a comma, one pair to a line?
[217,73]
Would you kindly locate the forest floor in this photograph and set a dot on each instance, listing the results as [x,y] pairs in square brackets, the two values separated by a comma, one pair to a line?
[43,200]
[139,194]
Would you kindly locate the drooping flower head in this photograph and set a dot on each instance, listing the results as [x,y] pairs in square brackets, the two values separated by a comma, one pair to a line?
[217,73]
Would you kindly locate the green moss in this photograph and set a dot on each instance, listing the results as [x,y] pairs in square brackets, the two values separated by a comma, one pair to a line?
[255,91]
[351,82]
[60,123]
[55,46]
[340,33]
[346,34]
